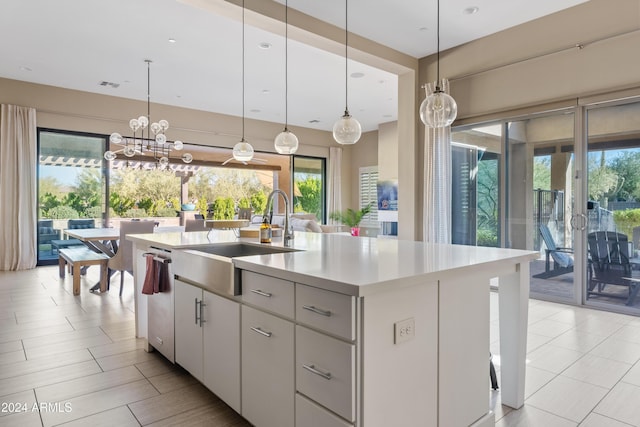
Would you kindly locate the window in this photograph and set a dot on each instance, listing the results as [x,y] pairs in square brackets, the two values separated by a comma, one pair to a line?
[309,193]
[369,193]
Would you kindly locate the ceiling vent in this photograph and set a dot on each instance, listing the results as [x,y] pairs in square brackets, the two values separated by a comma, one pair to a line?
[110,84]
[314,121]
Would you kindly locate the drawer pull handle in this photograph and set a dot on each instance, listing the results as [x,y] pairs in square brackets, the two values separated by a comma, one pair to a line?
[314,370]
[261,293]
[261,332]
[317,310]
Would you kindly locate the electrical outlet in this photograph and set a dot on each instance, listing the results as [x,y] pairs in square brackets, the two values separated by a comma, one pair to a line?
[404,330]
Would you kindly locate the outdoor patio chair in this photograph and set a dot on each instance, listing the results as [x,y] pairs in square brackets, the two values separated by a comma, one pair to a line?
[562,257]
[195,225]
[609,266]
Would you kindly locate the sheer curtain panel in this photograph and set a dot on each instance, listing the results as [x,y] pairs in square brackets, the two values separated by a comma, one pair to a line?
[437,178]
[18,210]
[334,203]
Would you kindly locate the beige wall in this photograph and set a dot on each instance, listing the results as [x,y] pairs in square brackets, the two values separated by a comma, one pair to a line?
[363,154]
[538,62]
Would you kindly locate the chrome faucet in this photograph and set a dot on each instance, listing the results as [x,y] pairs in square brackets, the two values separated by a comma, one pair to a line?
[288,229]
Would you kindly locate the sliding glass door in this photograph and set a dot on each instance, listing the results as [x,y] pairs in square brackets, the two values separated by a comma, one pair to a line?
[613,188]
[71,184]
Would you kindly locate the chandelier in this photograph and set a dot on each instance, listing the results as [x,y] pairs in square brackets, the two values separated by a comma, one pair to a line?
[156,146]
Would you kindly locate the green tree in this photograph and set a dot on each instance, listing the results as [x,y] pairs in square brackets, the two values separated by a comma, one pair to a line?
[627,167]
[258,202]
[223,208]
[542,172]
[487,202]
[310,199]
[602,180]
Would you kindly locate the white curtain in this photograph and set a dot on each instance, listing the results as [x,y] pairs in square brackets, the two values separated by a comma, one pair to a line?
[437,179]
[18,210]
[334,193]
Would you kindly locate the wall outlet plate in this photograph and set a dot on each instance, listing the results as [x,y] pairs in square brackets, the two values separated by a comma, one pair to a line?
[404,330]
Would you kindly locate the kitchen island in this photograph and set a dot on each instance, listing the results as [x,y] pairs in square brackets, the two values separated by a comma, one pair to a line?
[350,331]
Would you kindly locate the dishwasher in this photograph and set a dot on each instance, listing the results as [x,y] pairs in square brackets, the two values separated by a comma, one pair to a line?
[160,310]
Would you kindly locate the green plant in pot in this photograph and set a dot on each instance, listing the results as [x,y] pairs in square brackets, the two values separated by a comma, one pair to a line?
[351,218]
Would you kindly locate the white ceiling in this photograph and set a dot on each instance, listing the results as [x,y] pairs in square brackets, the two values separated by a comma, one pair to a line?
[79,43]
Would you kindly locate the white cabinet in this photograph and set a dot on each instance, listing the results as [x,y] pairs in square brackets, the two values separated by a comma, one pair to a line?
[189,344]
[208,340]
[221,332]
[268,386]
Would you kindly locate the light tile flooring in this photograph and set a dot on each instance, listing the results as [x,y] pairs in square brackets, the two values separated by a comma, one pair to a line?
[77,360]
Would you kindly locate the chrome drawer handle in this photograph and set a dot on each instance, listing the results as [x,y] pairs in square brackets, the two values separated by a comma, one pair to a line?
[317,310]
[259,292]
[314,370]
[261,332]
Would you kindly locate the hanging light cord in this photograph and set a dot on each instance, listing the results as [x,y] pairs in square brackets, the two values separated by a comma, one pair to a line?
[346,65]
[286,64]
[242,71]
[438,47]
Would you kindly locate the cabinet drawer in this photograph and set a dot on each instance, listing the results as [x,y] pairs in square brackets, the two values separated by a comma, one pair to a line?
[325,310]
[310,414]
[268,384]
[325,371]
[269,293]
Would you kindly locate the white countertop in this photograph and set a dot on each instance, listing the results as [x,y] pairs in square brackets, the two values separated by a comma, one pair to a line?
[354,265]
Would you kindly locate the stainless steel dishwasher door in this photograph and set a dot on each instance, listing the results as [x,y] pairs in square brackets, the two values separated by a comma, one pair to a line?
[160,311]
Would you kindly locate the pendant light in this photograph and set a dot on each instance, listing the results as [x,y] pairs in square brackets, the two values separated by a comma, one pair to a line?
[286,142]
[243,151]
[346,130]
[439,109]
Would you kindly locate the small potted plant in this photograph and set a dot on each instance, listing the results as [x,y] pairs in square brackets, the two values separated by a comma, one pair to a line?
[351,218]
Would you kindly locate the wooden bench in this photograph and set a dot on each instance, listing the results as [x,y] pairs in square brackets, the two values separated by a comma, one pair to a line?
[78,257]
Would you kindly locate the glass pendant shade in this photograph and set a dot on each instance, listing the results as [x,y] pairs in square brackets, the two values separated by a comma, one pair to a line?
[347,130]
[178,145]
[438,110]
[109,155]
[187,158]
[243,151]
[286,142]
[115,138]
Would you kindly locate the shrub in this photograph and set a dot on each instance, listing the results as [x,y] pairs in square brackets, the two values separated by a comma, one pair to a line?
[166,212]
[626,220]
[63,212]
[134,213]
[94,212]
[487,238]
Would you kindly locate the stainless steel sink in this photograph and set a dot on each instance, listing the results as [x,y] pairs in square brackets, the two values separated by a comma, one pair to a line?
[238,249]
[211,266]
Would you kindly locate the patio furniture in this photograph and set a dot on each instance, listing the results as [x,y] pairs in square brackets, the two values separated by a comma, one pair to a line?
[72,224]
[562,257]
[609,265]
[46,232]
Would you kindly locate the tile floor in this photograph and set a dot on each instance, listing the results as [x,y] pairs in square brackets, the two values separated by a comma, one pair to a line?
[77,360]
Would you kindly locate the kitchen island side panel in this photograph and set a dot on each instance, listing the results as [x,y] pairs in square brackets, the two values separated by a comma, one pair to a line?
[400,379]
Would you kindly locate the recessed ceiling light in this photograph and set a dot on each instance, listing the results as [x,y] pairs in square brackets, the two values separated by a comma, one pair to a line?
[471,10]
[314,121]
[265,91]
[23,68]
[357,75]
[381,81]
[172,40]
[264,45]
